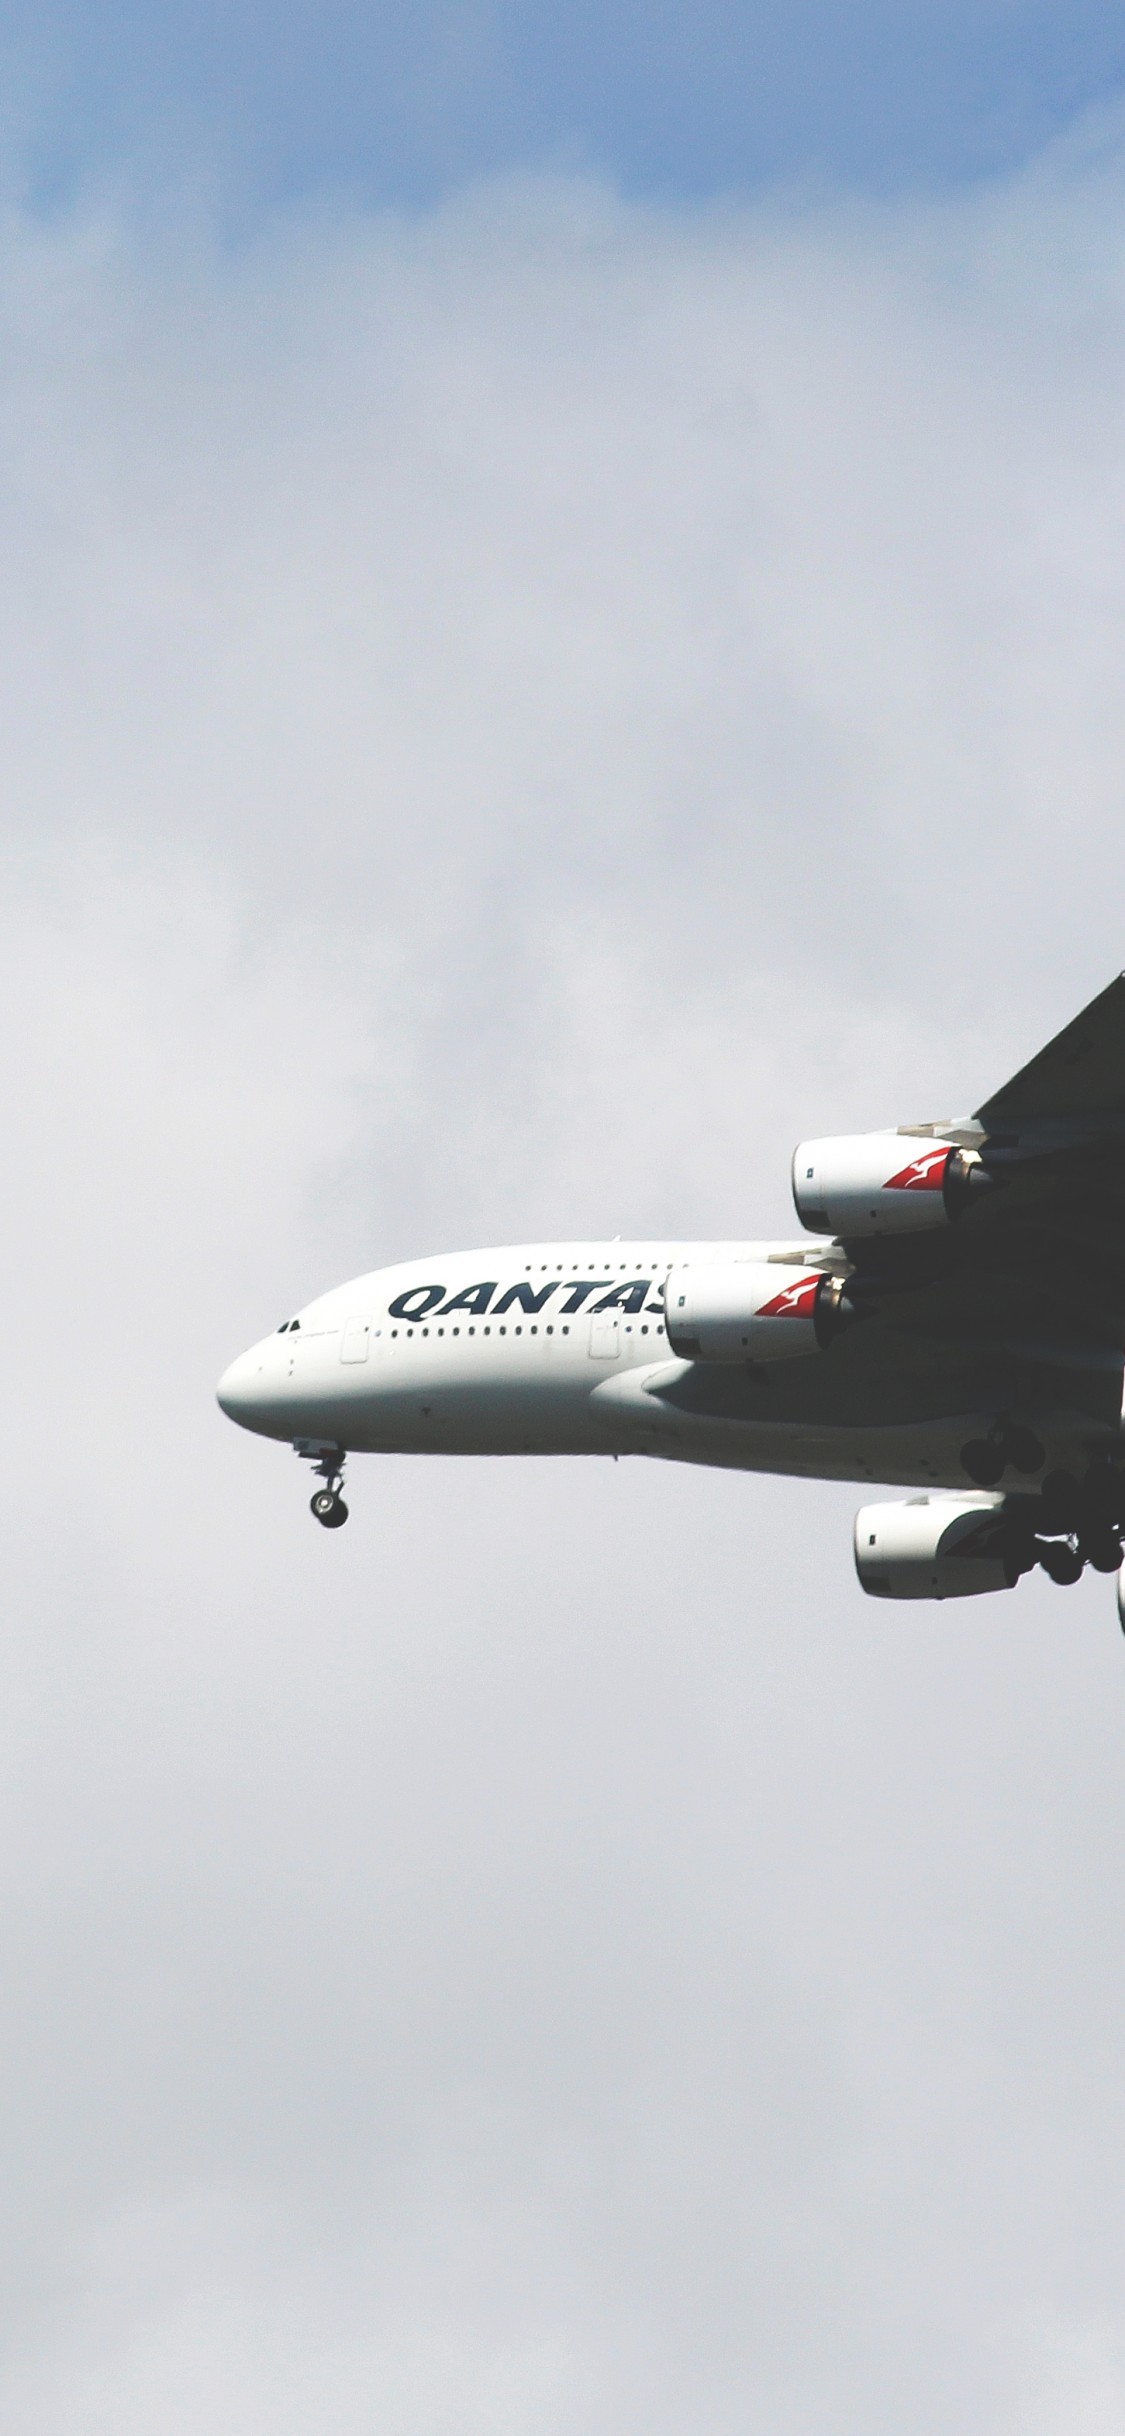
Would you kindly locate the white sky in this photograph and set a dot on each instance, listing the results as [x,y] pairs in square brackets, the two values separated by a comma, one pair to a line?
[511,718]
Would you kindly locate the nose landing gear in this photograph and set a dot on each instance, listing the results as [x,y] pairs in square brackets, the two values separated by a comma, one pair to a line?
[328,1463]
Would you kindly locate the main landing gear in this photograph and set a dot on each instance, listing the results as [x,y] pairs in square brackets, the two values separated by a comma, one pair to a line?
[1072,1524]
[987,1459]
[328,1463]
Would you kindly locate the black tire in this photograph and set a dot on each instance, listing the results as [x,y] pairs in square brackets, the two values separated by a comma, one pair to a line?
[1060,1561]
[1024,1450]
[983,1462]
[1103,1551]
[329,1509]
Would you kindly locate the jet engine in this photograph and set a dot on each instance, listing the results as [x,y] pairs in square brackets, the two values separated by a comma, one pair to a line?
[753,1311]
[883,1183]
[940,1547]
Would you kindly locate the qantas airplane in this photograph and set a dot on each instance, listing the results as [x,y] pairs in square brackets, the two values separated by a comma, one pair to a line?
[953,1323]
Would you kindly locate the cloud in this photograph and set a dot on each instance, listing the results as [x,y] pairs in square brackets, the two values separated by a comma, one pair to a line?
[512,716]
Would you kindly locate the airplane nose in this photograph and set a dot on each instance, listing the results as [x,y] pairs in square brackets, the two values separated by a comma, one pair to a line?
[239,1391]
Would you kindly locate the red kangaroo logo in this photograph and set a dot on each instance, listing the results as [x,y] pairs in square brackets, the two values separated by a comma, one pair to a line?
[924,1175]
[796,1302]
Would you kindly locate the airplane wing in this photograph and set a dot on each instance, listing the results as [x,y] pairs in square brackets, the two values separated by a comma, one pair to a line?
[1039,1268]
[1080,1073]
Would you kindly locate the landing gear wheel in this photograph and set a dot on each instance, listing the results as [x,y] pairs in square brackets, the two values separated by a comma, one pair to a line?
[983,1462]
[329,1509]
[1060,1561]
[1103,1551]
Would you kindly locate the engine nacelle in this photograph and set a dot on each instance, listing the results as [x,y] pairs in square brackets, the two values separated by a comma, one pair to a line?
[939,1547]
[753,1311]
[883,1184]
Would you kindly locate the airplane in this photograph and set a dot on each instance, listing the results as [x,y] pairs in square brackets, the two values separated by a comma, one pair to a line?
[953,1323]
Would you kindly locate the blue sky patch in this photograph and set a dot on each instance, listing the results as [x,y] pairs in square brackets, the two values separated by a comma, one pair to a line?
[402,105]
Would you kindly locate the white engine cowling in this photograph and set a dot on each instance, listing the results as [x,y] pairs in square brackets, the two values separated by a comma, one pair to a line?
[883,1183]
[940,1547]
[753,1311]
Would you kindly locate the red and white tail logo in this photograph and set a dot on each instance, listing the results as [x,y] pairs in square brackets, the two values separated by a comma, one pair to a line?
[797,1301]
[924,1175]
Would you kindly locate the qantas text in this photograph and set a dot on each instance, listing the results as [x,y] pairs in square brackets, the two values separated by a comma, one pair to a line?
[424,1302]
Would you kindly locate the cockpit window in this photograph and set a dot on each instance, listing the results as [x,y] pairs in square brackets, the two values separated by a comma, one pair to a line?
[288,1326]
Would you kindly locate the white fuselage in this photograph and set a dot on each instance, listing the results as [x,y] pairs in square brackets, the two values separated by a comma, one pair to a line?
[492,1352]
[562,1349]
